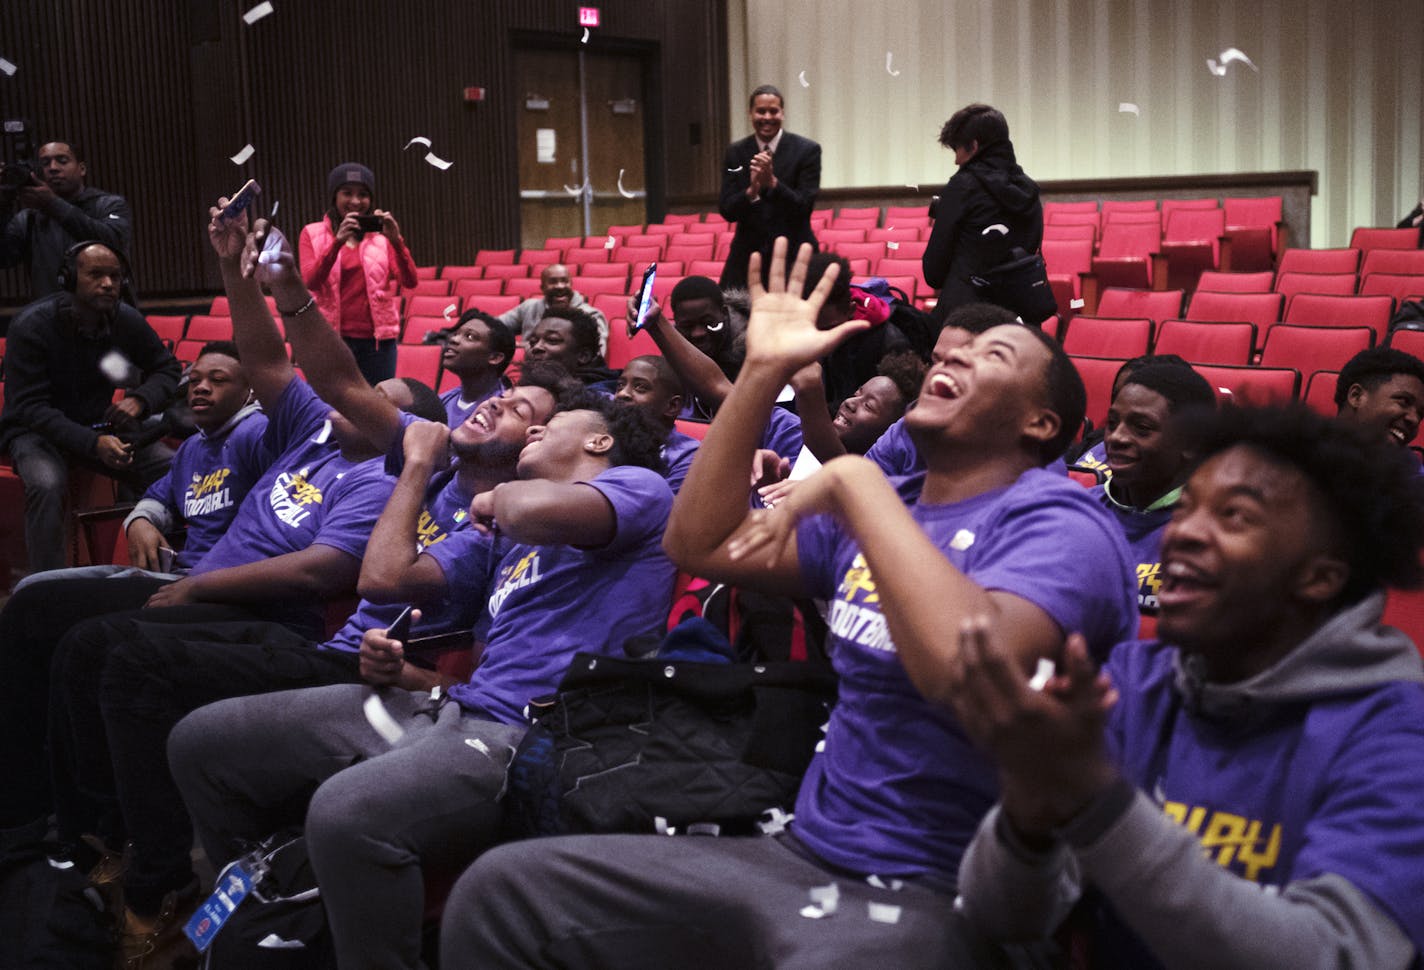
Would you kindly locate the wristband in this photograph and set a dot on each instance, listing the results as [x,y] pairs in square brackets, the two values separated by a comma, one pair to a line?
[311,302]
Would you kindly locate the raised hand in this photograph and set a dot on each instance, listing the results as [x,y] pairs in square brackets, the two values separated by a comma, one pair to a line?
[782,331]
[427,442]
[228,236]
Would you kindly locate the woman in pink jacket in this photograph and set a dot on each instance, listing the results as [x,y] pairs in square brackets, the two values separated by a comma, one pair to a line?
[352,271]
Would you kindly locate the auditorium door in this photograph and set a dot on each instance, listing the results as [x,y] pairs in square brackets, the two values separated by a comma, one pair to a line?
[582,132]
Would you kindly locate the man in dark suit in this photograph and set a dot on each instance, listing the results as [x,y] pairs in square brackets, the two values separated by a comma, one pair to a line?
[768,187]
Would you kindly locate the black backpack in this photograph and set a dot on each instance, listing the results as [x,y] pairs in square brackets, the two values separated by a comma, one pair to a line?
[281,924]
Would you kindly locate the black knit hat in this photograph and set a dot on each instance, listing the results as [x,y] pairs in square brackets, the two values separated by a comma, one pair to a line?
[349,172]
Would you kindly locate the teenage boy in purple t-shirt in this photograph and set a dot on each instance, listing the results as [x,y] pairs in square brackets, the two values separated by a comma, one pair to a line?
[478,351]
[1276,725]
[650,384]
[581,568]
[888,805]
[1148,452]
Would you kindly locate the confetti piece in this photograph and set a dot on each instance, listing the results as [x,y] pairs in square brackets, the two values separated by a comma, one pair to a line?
[894,885]
[962,540]
[242,156]
[1218,69]
[257,13]
[437,161]
[478,745]
[773,821]
[661,826]
[451,310]
[1075,304]
[909,186]
[1235,54]
[812,912]
[737,169]
[820,746]
[888,69]
[827,898]
[417,140]
[1128,108]
[892,245]
[381,720]
[610,242]
[576,192]
[621,190]
[1225,391]
[585,36]
[7,67]
[115,366]
[883,913]
[998,227]
[802,78]
[273,213]
[1042,674]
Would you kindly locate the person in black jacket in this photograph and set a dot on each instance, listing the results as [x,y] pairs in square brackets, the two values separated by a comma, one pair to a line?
[769,185]
[1415,219]
[56,210]
[65,355]
[987,209]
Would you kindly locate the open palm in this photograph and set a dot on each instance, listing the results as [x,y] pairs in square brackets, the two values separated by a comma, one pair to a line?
[782,327]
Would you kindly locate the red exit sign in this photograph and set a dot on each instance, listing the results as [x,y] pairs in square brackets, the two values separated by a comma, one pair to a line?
[588,16]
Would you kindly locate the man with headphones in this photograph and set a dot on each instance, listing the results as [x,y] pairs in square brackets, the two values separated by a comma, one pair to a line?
[66,354]
[56,210]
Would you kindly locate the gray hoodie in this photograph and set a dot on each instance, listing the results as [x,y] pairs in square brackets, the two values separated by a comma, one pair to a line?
[1188,910]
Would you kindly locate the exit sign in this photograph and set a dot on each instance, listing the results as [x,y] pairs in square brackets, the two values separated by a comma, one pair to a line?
[588,16]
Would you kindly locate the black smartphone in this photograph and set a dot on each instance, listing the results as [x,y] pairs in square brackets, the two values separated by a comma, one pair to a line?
[645,297]
[370,223]
[400,628]
[240,202]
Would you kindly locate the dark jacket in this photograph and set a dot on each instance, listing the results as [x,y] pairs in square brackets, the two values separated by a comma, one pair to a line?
[41,240]
[784,211]
[990,189]
[53,384]
[1408,222]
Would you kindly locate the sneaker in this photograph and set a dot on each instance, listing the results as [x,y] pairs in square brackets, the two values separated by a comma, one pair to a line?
[160,944]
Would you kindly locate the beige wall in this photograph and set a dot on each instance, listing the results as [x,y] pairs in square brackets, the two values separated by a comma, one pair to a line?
[1339,89]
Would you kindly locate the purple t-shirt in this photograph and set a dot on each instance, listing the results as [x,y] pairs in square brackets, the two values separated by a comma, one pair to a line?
[310,494]
[1334,789]
[458,415]
[1143,531]
[899,789]
[442,532]
[678,454]
[1096,458]
[549,602]
[782,434]
[209,478]
[900,460]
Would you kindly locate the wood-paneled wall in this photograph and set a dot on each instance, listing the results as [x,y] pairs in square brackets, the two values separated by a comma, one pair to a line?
[162,92]
[1337,88]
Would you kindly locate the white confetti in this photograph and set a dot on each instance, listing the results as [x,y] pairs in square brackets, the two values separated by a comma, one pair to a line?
[116,367]
[1235,54]
[812,912]
[257,13]
[737,169]
[1226,391]
[273,213]
[820,746]
[1042,674]
[1218,69]
[998,227]
[661,826]
[576,192]
[242,156]
[451,310]
[418,140]
[478,745]
[892,245]
[962,540]
[1128,108]
[1075,304]
[888,69]
[826,897]
[621,190]
[909,186]
[894,885]
[113,215]
[437,161]
[585,36]
[776,821]
[610,242]
[883,913]
[381,720]
[802,78]
[7,67]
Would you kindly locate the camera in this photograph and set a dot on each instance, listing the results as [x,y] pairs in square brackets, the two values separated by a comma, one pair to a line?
[17,154]
[370,223]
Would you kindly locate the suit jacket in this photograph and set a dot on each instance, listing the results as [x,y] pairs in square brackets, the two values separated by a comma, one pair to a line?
[784,211]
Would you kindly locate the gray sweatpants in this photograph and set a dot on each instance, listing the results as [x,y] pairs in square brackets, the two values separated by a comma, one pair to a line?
[650,901]
[378,817]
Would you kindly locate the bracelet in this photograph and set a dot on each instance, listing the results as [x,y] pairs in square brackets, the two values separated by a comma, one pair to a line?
[311,302]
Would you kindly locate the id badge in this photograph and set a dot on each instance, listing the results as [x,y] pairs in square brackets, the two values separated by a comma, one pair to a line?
[233,887]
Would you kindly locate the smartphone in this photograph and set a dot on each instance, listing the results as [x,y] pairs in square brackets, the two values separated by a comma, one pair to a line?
[240,202]
[370,223]
[400,628]
[165,559]
[645,297]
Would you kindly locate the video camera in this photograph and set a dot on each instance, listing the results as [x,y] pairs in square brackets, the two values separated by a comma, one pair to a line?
[17,154]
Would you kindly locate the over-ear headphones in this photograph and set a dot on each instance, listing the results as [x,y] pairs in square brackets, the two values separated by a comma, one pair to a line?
[68,276]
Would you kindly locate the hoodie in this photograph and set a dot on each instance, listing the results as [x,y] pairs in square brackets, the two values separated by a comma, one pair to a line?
[990,190]
[1301,784]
